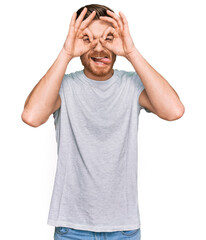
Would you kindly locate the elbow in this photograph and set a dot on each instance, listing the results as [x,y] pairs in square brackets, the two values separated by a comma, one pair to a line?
[178,113]
[173,113]
[28,120]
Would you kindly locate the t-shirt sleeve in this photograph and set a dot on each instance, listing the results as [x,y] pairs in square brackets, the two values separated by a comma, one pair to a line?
[140,88]
[56,113]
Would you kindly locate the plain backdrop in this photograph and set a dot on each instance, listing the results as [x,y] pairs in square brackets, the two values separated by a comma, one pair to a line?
[170,35]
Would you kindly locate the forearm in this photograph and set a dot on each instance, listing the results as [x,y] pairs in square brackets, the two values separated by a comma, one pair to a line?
[162,96]
[41,100]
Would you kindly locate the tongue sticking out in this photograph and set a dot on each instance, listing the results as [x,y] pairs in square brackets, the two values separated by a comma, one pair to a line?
[103,60]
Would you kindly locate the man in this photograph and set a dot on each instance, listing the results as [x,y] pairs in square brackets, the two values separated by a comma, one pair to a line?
[96,113]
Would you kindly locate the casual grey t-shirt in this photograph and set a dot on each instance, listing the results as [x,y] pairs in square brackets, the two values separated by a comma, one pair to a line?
[95,185]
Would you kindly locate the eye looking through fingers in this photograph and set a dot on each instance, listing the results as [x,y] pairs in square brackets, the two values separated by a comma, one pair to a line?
[86,38]
[109,37]
[86,35]
[110,33]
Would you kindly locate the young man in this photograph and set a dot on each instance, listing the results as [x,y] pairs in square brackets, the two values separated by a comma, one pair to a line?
[96,112]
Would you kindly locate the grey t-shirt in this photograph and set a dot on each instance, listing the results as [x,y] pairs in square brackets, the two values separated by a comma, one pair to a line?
[95,185]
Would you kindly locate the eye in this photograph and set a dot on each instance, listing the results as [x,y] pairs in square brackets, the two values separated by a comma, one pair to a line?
[109,39]
[86,39]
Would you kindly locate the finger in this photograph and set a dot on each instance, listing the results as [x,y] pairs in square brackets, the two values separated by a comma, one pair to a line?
[88,33]
[80,18]
[87,21]
[72,23]
[110,20]
[91,45]
[116,17]
[109,30]
[124,20]
[106,44]
[125,23]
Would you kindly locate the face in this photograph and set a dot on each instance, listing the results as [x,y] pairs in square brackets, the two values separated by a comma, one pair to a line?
[102,69]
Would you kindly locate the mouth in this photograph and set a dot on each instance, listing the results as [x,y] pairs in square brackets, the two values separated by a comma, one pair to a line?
[101,60]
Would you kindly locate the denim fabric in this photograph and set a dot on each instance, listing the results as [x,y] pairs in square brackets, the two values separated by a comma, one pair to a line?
[65,233]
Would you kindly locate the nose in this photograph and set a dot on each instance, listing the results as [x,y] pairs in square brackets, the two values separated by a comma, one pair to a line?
[98,47]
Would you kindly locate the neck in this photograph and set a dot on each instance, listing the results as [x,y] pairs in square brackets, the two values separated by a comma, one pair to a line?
[98,78]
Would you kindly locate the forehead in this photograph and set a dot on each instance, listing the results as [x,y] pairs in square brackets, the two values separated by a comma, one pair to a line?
[97,27]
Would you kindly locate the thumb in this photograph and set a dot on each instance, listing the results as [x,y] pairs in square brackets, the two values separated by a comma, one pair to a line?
[93,43]
[105,44]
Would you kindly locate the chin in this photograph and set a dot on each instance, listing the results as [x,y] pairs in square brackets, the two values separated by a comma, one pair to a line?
[97,69]
[99,72]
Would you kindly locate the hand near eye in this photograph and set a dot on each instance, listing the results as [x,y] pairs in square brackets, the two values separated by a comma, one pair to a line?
[122,43]
[74,44]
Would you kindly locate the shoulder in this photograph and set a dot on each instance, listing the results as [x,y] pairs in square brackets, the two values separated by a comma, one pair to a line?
[132,77]
[125,76]
[71,75]
[68,78]
[124,73]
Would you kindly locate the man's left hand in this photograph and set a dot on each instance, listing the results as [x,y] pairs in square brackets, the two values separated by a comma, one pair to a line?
[117,38]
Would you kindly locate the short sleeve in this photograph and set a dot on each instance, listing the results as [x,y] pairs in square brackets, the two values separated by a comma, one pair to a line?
[56,113]
[140,88]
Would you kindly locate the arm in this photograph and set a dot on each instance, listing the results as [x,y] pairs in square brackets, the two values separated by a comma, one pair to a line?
[44,99]
[158,96]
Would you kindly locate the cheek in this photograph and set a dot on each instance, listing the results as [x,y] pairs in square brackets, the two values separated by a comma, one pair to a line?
[84,59]
[114,57]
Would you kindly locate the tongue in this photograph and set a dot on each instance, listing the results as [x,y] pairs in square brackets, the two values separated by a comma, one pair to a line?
[103,60]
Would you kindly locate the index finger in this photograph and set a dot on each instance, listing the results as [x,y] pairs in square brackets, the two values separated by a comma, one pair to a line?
[88,33]
[109,30]
[116,17]
[87,21]
[110,20]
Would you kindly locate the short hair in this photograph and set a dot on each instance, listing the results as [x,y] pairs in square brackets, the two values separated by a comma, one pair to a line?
[101,10]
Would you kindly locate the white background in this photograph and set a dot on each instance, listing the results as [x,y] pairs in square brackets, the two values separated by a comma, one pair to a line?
[171,37]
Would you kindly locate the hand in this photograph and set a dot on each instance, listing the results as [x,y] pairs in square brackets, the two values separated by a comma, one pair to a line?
[75,45]
[122,43]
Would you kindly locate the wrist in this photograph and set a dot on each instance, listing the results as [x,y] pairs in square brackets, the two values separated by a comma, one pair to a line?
[131,54]
[64,54]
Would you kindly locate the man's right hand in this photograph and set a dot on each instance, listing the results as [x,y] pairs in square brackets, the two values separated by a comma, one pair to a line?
[74,45]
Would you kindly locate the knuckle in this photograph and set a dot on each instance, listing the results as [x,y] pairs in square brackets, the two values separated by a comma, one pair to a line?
[82,27]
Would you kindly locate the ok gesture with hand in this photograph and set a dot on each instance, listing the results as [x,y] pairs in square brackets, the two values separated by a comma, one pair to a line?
[122,43]
[74,45]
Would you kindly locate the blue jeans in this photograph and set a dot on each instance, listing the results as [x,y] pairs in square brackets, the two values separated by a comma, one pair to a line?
[65,233]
